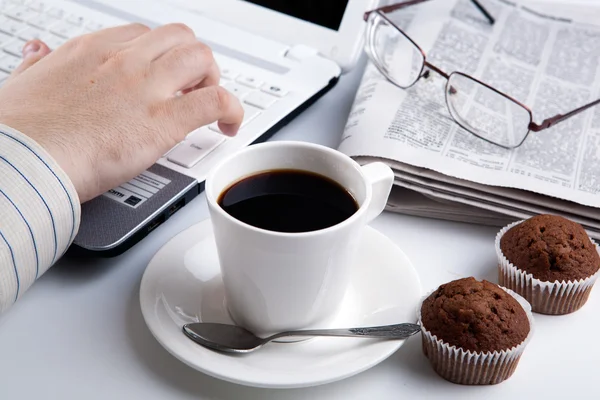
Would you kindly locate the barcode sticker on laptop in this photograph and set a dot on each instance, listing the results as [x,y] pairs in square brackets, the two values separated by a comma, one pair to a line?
[141,188]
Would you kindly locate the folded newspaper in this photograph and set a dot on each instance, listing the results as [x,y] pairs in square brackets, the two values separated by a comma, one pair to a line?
[550,63]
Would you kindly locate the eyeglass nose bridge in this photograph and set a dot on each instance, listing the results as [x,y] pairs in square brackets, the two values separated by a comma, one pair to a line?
[430,67]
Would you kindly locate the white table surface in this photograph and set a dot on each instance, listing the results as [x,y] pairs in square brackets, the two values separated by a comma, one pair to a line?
[78,333]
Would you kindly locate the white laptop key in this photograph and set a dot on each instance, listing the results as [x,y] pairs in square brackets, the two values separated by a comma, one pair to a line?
[214,127]
[9,63]
[274,90]
[194,149]
[168,151]
[43,21]
[206,136]
[249,81]
[250,113]
[76,20]
[22,13]
[238,91]
[66,30]
[192,133]
[9,5]
[11,26]
[31,33]
[93,26]
[15,48]
[53,41]
[56,12]
[3,76]
[4,39]
[260,100]
[227,73]
[37,5]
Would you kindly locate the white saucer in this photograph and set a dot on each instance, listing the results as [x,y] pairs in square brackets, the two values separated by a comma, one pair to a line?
[183,284]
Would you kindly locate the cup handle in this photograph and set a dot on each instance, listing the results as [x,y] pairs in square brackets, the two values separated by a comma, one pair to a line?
[381,179]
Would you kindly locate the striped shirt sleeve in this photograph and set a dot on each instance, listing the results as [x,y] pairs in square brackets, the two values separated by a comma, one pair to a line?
[39,213]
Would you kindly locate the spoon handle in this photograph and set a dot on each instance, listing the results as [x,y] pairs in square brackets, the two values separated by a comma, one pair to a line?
[398,331]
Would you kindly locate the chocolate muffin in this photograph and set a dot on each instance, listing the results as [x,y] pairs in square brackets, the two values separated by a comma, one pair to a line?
[474,332]
[551,248]
[550,261]
[475,316]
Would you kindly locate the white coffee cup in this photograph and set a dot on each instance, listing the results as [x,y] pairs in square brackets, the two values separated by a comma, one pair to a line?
[276,281]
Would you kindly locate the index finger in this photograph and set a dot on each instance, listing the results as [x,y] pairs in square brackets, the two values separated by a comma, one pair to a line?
[205,106]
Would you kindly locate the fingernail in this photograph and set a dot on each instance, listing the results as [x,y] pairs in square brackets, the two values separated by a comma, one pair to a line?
[30,48]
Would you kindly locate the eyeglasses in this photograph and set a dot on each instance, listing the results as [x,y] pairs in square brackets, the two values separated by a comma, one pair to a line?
[476,106]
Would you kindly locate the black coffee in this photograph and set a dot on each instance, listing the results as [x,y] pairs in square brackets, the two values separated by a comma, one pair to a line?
[288,201]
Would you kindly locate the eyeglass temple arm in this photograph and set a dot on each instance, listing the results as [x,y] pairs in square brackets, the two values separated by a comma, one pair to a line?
[394,7]
[547,123]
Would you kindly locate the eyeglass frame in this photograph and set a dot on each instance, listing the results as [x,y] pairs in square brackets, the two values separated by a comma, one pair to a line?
[532,126]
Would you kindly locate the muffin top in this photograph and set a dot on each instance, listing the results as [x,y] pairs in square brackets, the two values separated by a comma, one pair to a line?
[476,316]
[551,248]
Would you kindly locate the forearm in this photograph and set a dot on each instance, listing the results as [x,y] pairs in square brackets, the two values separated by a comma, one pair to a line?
[39,214]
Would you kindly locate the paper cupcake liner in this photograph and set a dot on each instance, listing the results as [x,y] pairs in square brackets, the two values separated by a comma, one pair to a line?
[467,367]
[554,298]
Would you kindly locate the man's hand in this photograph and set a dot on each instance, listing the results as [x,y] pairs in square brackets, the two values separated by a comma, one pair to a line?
[107,105]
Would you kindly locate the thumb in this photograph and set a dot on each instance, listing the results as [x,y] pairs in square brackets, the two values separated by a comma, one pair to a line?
[33,51]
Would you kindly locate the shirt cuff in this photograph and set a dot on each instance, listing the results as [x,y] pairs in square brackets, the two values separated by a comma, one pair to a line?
[39,213]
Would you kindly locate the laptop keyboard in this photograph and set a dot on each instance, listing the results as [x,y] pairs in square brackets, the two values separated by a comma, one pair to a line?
[256,97]
[23,20]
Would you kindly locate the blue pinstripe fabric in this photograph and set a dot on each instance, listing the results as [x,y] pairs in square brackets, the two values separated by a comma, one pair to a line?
[57,178]
[43,200]
[12,254]
[37,259]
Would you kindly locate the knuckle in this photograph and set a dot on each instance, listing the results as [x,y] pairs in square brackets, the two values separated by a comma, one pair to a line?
[86,43]
[121,60]
[77,44]
[181,29]
[203,50]
[82,41]
[202,54]
[140,27]
[177,58]
[190,54]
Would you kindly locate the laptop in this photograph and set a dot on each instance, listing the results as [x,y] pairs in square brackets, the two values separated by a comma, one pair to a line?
[276,56]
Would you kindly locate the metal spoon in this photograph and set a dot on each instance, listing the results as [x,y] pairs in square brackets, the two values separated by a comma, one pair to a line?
[235,339]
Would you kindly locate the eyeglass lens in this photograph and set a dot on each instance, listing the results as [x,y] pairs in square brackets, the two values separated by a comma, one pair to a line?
[485,112]
[395,55]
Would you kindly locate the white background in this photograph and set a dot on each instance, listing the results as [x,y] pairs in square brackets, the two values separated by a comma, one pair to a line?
[78,333]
